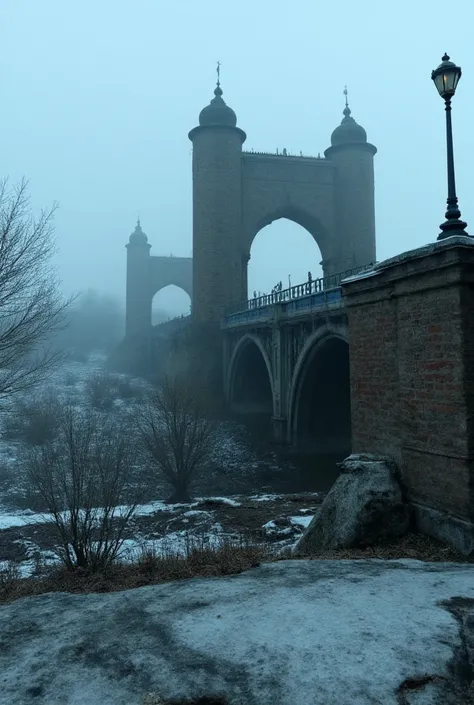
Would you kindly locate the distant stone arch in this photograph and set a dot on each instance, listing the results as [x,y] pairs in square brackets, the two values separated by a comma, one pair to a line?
[166,271]
[146,275]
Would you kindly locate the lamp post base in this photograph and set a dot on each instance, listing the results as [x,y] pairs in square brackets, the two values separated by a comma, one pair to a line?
[453,227]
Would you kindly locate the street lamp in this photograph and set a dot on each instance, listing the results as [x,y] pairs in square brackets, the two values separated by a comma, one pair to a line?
[446,78]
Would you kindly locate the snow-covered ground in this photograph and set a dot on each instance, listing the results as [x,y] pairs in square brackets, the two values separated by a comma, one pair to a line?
[234,464]
[286,633]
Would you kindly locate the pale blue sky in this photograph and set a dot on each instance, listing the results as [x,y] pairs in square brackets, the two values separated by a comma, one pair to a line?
[98,97]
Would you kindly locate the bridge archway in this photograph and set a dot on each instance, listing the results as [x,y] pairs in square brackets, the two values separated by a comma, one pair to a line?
[285,247]
[146,275]
[169,301]
[249,383]
[320,409]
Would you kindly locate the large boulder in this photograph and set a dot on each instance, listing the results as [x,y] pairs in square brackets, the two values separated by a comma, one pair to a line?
[364,505]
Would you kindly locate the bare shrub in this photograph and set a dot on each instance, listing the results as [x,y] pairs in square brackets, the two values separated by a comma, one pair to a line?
[81,477]
[31,306]
[126,389]
[35,422]
[101,390]
[175,435]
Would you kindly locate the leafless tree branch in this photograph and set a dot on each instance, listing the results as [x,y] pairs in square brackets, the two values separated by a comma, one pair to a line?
[31,305]
[82,478]
[176,435]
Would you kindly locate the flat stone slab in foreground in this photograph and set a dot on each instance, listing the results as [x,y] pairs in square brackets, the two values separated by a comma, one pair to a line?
[287,633]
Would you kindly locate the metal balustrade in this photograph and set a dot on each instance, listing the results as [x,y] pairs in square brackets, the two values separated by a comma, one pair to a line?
[307,289]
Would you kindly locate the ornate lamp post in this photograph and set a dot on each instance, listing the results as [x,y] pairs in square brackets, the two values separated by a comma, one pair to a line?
[446,78]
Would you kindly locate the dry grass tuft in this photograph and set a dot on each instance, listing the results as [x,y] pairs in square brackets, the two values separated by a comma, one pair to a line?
[228,557]
[416,546]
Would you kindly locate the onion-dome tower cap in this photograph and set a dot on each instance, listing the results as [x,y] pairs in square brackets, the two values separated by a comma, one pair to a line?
[348,132]
[217,112]
[138,236]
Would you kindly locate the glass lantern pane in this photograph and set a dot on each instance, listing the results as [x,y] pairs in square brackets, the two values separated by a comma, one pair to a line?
[449,79]
[439,83]
[457,76]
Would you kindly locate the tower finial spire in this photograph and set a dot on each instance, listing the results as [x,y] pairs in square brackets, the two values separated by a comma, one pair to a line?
[347,111]
[218,74]
[138,219]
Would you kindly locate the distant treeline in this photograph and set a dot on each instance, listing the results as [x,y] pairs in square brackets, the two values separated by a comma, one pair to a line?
[95,321]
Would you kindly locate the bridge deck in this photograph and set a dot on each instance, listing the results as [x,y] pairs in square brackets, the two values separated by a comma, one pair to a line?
[311,297]
[310,303]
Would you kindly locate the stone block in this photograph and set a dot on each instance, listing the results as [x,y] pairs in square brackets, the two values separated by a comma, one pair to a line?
[364,506]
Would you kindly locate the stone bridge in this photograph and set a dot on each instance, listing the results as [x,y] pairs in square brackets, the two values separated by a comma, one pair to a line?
[286,360]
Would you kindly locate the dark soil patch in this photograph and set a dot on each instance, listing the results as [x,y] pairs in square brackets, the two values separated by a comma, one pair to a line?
[43,535]
[249,518]
[416,546]
[11,548]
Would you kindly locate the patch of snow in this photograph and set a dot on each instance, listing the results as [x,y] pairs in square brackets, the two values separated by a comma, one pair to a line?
[265,497]
[24,517]
[195,513]
[221,500]
[302,520]
[9,520]
[271,529]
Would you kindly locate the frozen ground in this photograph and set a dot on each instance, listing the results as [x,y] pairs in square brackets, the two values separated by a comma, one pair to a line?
[235,467]
[290,633]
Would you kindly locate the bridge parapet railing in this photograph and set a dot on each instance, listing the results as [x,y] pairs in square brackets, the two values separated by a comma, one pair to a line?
[260,307]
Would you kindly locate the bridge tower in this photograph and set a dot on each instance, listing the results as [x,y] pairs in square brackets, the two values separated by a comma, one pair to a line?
[237,193]
[138,305]
[354,210]
[217,210]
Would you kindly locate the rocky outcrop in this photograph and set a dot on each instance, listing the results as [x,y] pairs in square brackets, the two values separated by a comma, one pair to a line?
[364,506]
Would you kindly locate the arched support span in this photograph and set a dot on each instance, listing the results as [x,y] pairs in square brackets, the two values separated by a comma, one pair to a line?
[319,404]
[249,383]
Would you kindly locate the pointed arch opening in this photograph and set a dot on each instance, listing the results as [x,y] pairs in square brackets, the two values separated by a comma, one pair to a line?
[168,303]
[282,253]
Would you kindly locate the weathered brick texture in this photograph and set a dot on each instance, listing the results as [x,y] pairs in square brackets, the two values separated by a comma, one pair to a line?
[411,341]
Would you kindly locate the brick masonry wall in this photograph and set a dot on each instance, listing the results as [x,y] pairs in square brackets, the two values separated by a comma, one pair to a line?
[411,341]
